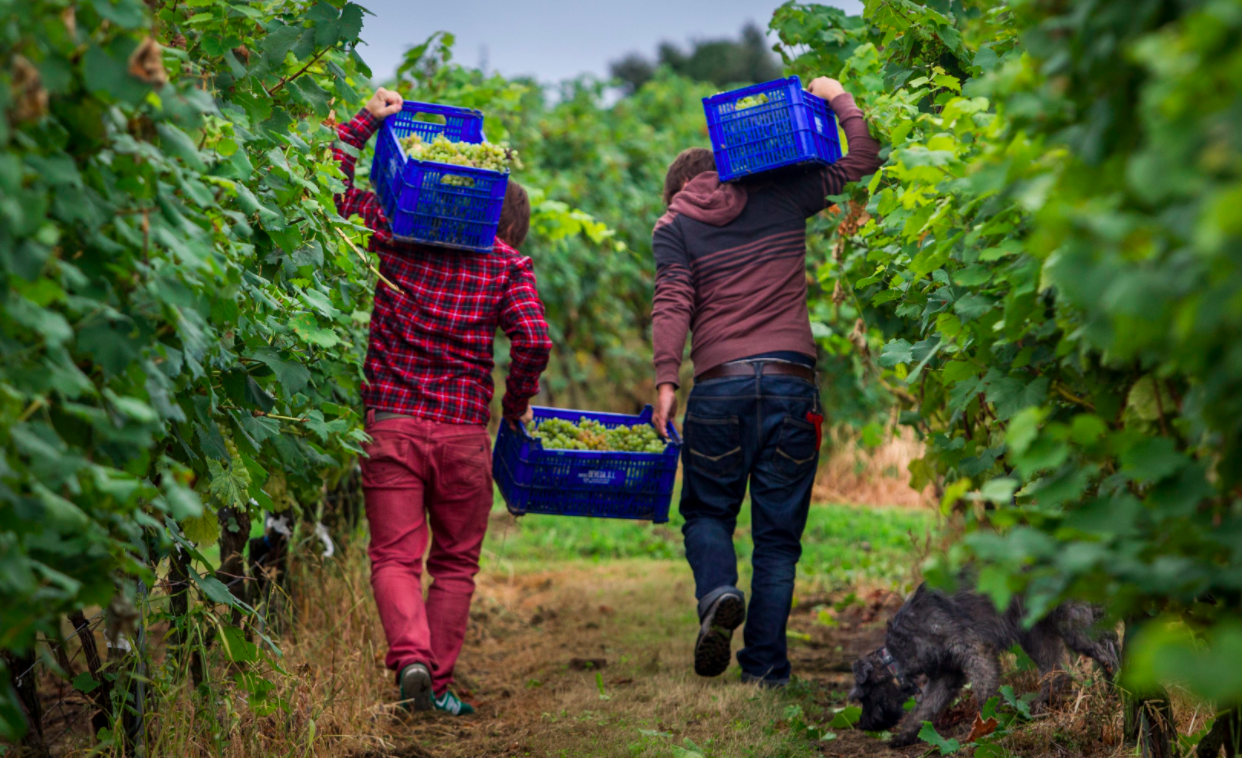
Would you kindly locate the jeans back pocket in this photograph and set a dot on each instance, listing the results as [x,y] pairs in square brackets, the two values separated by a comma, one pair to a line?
[797,448]
[714,445]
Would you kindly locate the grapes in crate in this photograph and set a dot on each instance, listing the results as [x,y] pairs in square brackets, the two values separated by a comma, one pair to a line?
[485,155]
[751,102]
[587,434]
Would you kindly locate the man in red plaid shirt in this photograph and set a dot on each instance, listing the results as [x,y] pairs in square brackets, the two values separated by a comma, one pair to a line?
[427,392]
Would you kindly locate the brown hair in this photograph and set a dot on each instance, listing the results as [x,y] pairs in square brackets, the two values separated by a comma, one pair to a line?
[514,216]
[690,163]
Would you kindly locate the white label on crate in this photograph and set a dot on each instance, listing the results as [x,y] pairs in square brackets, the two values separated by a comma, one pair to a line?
[819,125]
[601,478]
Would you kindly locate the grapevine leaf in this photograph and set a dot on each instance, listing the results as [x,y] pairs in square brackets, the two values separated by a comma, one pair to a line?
[308,329]
[304,48]
[203,529]
[85,683]
[973,306]
[315,422]
[227,487]
[321,303]
[183,502]
[260,429]
[236,647]
[257,396]
[215,591]
[278,42]
[106,71]
[351,22]
[1152,459]
[846,718]
[929,735]
[895,352]
[211,442]
[178,143]
[60,512]
[994,582]
[1010,395]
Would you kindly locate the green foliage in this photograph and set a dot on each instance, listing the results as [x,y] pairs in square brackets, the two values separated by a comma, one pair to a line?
[1048,277]
[798,725]
[179,318]
[929,735]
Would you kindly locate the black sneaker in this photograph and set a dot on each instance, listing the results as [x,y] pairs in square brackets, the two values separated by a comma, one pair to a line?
[415,683]
[714,648]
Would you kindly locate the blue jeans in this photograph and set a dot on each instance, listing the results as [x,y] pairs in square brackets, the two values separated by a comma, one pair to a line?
[755,430]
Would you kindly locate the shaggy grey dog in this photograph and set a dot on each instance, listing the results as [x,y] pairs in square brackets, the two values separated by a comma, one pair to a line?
[951,639]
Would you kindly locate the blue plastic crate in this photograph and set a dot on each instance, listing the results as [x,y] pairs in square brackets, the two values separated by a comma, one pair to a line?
[792,127]
[420,206]
[584,482]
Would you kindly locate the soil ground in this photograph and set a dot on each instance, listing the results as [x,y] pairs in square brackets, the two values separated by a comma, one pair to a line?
[580,645]
[593,658]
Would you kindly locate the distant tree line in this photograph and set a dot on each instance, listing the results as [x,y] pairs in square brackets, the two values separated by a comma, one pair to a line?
[722,62]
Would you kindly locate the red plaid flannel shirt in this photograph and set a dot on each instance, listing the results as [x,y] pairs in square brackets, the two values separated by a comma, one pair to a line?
[430,352]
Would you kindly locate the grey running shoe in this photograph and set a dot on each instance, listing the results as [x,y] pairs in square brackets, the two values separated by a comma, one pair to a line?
[714,648]
[415,682]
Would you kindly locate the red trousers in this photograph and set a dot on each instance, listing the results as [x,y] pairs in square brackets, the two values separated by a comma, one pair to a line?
[422,472]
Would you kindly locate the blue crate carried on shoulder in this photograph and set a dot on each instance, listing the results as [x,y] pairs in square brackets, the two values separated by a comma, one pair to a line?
[777,124]
[585,482]
[436,203]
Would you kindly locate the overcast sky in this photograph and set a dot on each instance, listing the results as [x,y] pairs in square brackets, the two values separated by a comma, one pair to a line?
[554,39]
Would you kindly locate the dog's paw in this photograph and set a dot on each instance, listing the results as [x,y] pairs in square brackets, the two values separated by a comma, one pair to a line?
[903,740]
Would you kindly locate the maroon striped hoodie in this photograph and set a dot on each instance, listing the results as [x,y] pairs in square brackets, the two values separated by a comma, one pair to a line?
[731,258]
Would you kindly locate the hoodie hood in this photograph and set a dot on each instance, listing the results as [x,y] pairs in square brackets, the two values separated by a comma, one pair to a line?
[706,199]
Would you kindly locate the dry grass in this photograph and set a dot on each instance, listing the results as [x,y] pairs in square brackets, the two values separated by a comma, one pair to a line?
[877,476]
[526,628]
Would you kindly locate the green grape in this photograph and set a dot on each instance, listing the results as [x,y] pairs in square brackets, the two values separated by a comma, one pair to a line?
[750,102]
[235,459]
[588,434]
[484,155]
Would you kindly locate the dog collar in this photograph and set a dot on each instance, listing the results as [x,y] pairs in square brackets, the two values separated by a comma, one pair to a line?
[890,664]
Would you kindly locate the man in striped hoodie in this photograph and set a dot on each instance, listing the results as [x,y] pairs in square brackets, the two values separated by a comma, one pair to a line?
[731,269]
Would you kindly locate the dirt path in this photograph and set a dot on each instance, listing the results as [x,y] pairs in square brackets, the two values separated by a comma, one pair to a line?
[594,659]
[571,658]
[578,657]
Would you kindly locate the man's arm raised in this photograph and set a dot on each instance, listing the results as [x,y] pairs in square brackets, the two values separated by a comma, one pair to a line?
[355,133]
[810,190]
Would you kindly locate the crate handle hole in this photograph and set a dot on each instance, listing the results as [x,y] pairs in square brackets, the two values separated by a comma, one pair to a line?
[430,118]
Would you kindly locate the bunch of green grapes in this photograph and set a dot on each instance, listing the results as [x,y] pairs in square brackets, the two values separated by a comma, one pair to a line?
[588,434]
[750,102]
[635,439]
[237,465]
[484,155]
[558,434]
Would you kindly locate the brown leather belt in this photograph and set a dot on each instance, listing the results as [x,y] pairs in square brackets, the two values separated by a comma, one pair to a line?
[766,368]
